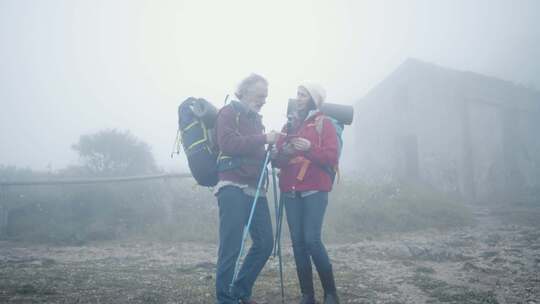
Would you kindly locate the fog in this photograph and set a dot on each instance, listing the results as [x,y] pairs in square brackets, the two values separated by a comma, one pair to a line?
[76,67]
[437,199]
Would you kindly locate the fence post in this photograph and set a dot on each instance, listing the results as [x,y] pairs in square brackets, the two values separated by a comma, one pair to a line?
[3,210]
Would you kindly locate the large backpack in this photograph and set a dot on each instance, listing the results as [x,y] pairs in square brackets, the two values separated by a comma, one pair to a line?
[196,120]
[332,171]
[337,125]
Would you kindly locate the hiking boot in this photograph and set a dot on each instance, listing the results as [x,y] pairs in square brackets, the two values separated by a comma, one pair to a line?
[329,287]
[331,298]
[307,299]
[305,278]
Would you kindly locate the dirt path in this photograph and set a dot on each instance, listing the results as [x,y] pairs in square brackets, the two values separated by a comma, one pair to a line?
[489,263]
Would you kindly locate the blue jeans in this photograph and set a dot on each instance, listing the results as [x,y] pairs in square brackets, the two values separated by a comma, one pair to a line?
[305,218]
[234,210]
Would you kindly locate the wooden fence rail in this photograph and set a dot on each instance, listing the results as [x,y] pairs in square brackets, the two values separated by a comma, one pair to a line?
[4,211]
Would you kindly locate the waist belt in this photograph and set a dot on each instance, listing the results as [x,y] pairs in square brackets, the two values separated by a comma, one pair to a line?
[331,171]
[225,163]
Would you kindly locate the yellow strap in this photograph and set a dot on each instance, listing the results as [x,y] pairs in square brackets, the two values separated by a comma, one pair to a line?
[296,160]
[196,143]
[303,170]
[190,126]
[205,138]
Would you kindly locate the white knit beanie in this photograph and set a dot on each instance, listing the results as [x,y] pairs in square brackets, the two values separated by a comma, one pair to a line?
[316,91]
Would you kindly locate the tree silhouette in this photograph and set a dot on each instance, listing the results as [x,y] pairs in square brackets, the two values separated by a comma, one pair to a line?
[114,153]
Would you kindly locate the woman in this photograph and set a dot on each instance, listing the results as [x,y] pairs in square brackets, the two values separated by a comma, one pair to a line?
[307,157]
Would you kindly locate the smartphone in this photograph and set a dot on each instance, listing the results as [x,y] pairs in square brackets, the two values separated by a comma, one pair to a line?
[289,137]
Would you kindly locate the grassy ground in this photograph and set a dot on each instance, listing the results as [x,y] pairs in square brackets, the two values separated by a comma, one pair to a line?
[491,262]
[388,244]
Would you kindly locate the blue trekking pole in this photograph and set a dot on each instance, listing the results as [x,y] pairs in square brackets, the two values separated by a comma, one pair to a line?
[246,227]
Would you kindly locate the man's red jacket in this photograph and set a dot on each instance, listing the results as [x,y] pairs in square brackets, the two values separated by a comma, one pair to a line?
[240,134]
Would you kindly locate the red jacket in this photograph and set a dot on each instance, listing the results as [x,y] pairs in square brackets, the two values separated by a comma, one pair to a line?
[240,134]
[305,171]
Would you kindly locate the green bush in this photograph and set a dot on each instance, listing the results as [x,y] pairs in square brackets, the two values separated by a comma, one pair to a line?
[357,210]
[177,210]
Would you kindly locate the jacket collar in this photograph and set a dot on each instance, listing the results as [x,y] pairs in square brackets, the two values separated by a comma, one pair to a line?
[313,113]
[297,122]
[244,108]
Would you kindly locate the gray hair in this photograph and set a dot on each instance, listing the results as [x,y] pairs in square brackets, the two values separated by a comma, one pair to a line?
[249,82]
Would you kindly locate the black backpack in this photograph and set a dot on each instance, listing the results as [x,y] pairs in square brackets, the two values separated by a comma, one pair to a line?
[196,120]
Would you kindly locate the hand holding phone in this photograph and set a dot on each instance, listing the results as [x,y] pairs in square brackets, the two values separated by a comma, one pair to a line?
[300,143]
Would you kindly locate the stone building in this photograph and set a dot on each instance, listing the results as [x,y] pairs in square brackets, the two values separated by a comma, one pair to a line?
[459,131]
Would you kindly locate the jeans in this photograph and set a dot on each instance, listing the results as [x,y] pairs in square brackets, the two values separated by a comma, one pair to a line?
[234,210]
[305,217]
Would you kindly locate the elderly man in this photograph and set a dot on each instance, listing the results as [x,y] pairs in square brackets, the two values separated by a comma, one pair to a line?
[241,140]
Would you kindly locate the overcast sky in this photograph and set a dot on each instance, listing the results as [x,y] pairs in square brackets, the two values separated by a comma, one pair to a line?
[75,67]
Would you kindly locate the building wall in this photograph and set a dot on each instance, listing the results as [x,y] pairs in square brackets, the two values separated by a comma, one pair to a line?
[446,131]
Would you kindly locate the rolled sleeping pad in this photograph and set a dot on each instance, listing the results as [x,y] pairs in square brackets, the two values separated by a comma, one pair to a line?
[206,111]
[342,113]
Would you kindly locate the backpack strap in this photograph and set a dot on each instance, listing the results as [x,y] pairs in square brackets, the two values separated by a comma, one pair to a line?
[226,162]
[238,122]
[332,171]
[200,141]
[319,124]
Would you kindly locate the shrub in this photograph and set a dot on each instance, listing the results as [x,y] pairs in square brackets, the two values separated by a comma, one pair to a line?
[177,210]
[357,209]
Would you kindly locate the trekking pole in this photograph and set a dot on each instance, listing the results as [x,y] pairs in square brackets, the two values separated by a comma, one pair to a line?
[278,243]
[246,227]
[176,145]
[279,224]
[279,219]
[279,213]
[276,205]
